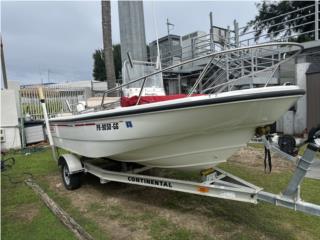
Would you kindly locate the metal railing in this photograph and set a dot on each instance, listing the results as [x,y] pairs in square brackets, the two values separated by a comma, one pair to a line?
[246,35]
[58,101]
[229,67]
[285,29]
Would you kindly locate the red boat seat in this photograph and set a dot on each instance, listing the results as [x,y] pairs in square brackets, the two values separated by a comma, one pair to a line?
[131,101]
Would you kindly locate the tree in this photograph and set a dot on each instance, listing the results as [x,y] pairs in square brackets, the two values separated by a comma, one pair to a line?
[284,24]
[117,60]
[99,68]
[107,45]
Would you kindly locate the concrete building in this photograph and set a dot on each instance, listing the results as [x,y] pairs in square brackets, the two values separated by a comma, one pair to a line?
[132,30]
[192,44]
[313,95]
[170,50]
[302,71]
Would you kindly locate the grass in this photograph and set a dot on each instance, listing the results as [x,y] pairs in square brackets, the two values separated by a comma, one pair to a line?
[24,216]
[266,219]
[16,198]
[159,228]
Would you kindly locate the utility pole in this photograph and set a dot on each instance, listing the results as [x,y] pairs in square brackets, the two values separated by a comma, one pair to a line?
[107,46]
[3,67]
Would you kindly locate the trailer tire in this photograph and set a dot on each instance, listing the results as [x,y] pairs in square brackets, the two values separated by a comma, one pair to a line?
[70,181]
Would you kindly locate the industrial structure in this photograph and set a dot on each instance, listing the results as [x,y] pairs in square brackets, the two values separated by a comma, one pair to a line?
[132,30]
[170,50]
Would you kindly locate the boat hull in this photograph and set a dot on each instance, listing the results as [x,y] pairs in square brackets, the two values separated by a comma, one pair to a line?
[191,137]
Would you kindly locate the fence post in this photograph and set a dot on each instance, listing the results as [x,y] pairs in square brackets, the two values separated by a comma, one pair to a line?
[316,19]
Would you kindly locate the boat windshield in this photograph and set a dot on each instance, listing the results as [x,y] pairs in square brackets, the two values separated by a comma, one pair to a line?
[139,69]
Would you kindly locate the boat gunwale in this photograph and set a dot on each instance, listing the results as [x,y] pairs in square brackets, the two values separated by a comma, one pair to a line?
[181,105]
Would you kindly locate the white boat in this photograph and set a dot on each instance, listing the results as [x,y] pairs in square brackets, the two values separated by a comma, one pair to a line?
[194,132]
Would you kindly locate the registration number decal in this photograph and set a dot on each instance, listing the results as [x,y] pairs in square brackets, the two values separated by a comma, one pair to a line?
[111,126]
[107,126]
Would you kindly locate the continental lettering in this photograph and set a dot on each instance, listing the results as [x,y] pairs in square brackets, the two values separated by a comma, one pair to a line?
[150,181]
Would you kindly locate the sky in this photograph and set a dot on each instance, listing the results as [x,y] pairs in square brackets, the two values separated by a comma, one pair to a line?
[54,40]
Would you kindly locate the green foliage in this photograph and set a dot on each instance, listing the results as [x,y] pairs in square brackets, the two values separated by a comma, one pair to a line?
[99,68]
[117,60]
[284,24]
[23,215]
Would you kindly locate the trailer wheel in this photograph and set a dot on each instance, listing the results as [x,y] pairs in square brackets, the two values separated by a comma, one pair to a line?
[70,181]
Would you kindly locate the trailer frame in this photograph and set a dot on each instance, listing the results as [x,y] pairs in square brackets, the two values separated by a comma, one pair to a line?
[215,182]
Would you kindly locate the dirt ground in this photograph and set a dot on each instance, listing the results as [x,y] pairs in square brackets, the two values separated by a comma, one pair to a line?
[254,158]
[122,213]
[25,212]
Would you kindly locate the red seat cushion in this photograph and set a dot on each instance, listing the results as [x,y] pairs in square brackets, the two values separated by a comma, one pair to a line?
[131,101]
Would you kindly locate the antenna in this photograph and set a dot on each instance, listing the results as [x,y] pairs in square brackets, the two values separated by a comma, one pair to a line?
[169,37]
[158,62]
[168,26]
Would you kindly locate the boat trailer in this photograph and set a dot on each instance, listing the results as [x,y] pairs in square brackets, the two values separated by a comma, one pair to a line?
[215,182]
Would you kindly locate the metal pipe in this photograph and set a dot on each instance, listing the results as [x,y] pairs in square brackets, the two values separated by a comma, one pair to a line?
[281,30]
[316,26]
[204,71]
[284,14]
[271,76]
[237,79]
[252,69]
[276,24]
[227,68]
[282,201]
[140,93]
[46,120]
[211,33]
[179,83]
[23,140]
[236,31]
[302,168]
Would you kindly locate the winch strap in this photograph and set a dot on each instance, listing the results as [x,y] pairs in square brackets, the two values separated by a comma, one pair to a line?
[267,156]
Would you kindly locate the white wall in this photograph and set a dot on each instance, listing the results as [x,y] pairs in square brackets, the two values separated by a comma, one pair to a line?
[300,119]
[9,120]
[15,85]
[296,122]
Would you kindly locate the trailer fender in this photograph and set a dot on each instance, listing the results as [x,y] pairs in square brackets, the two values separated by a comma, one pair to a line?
[73,162]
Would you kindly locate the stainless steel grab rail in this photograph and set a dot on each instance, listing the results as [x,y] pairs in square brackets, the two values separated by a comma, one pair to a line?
[299,49]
